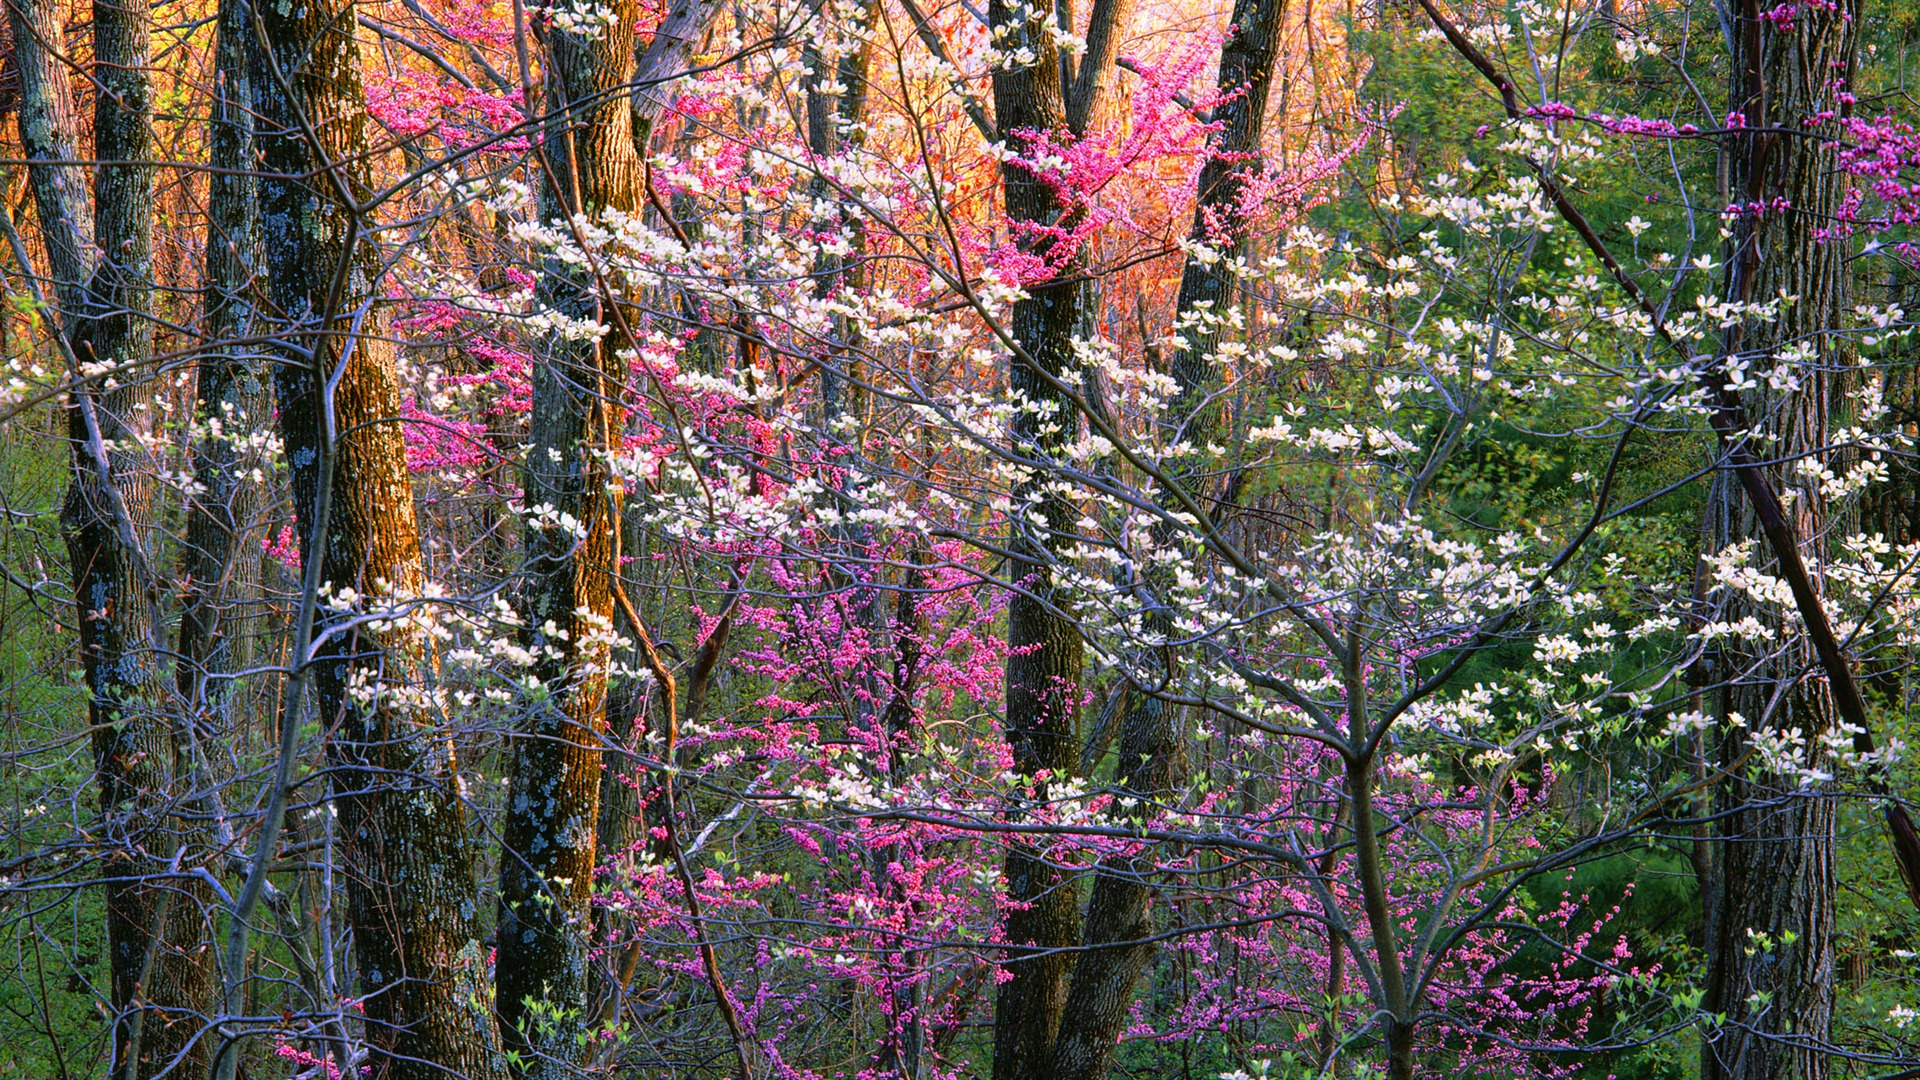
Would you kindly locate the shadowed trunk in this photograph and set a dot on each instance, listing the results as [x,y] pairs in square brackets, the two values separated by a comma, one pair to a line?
[1043,644]
[1044,661]
[159,967]
[1119,915]
[1770,955]
[228,393]
[141,758]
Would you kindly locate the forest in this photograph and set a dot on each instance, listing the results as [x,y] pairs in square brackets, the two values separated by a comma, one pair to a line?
[959,539]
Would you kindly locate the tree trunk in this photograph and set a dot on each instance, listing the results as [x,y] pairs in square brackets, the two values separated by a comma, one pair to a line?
[1771,956]
[159,968]
[592,162]
[227,388]
[547,865]
[1044,648]
[164,991]
[1119,917]
[833,128]
[409,857]
[48,126]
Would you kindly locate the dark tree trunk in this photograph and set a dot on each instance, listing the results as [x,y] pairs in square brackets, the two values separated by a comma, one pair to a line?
[1119,917]
[227,388]
[833,127]
[410,859]
[903,1054]
[1043,644]
[1770,957]
[159,965]
[160,940]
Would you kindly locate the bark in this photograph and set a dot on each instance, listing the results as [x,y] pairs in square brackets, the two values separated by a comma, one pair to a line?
[1247,59]
[159,970]
[667,57]
[1119,916]
[162,991]
[1043,669]
[547,866]
[832,128]
[1770,956]
[622,777]
[903,1053]
[228,398]
[1091,87]
[1768,67]
[409,859]
[48,122]
[227,389]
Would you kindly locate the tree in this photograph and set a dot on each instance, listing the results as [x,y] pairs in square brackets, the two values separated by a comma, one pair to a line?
[592,174]
[411,886]
[101,253]
[1119,927]
[1771,920]
[922,541]
[1043,645]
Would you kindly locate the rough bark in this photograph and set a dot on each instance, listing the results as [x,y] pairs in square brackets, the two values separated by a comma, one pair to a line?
[667,57]
[1119,915]
[1770,955]
[1043,670]
[832,128]
[159,970]
[158,933]
[1091,87]
[227,389]
[547,865]
[48,124]
[409,858]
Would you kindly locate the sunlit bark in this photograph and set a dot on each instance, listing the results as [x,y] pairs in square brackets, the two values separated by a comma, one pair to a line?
[410,857]
[548,858]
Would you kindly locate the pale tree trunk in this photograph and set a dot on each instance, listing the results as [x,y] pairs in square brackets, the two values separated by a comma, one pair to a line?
[48,126]
[159,966]
[409,858]
[1770,953]
[1119,916]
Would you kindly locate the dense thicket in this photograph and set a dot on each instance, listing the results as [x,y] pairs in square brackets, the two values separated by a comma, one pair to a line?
[857,538]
